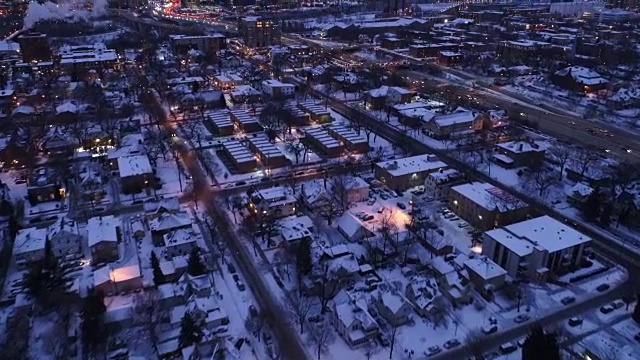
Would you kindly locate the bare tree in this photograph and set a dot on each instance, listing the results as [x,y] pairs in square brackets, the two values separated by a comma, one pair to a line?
[296,147]
[15,342]
[438,313]
[321,336]
[329,285]
[331,210]
[371,349]
[474,343]
[340,186]
[561,155]
[583,159]
[192,128]
[148,313]
[540,180]
[298,308]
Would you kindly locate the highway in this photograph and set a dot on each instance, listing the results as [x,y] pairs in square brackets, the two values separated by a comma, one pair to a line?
[551,121]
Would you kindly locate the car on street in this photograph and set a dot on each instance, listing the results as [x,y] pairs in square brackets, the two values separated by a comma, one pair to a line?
[241,286]
[603,287]
[253,311]
[521,318]
[574,321]
[568,300]
[490,329]
[617,304]
[450,344]
[231,268]
[402,206]
[606,309]
[508,348]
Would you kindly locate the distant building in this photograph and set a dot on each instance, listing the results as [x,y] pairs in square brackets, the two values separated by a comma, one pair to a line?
[400,174]
[257,32]
[453,124]
[179,242]
[35,47]
[278,90]
[380,98]
[209,45]
[485,206]
[536,249]
[77,60]
[580,79]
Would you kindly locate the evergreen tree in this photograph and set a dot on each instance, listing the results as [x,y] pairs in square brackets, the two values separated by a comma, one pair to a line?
[190,331]
[93,328]
[158,276]
[195,266]
[303,257]
[636,312]
[591,206]
[540,345]
[45,280]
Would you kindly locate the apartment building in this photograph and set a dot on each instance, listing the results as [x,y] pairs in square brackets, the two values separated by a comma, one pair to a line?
[258,32]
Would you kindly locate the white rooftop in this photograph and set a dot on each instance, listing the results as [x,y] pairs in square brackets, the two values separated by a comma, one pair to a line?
[489,196]
[543,232]
[134,165]
[411,165]
[485,268]
[30,239]
[523,146]
[102,228]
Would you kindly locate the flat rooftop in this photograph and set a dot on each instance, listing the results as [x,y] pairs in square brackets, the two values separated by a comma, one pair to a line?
[412,165]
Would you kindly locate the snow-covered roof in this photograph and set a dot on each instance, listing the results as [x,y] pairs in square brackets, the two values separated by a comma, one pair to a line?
[164,204]
[102,228]
[419,112]
[295,227]
[66,107]
[134,165]
[63,224]
[30,239]
[23,110]
[457,117]
[353,317]
[392,301]
[582,75]
[169,221]
[179,237]
[349,224]
[485,268]
[489,196]
[446,176]
[412,165]
[386,90]
[580,189]
[544,233]
[523,146]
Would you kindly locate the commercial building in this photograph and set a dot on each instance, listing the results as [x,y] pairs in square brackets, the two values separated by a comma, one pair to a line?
[257,32]
[537,248]
[485,206]
[401,174]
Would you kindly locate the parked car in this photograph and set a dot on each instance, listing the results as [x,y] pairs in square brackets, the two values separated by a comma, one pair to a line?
[606,309]
[231,268]
[521,318]
[384,196]
[567,300]
[617,304]
[241,286]
[253,311]
[603,287]
[521,342]
[432,350]
[574,321]
[451,344]
[490,329]
[402,206]
[508,348]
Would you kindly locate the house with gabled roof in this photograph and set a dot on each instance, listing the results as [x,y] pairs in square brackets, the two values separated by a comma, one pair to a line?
[155,208]
[354,323]
[103,238]
[392,306]
[179,242]
[64,237]
[166,223]
[423,294]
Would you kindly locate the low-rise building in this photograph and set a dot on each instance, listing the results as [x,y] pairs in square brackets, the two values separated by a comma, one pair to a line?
[401,174]
[450,125]
[536,248]
[485,275]
[275,201]
[520,153]
[166,223]
[423,293]
[438,183]
[392,306]
[354,323]
[179,242]
[43,185]
[485,206]
[578,78]
[209,45]
[380,98]
[103,238]
[278,90]
[64,237]
[136,172]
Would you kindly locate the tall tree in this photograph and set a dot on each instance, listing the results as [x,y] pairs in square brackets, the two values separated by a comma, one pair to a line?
[298,308]
[190,331]
[195,266]
[540,345]
[45,280]
[591,206]
[94,332]
[304,263]
[321,336]
[158,276]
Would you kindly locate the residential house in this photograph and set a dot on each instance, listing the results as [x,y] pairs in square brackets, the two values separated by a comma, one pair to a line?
[380,98]
[537,248]
[166,223]
[136,173]
[58,141]
[117,280]
[520,153]
[155,208]
[103,238]
[64,237]
[43,185]
[578,194]
[580,79]
[392,306]
[29,246]
[437,184]
[179,242]
[451,284]
[315,197]
[352,228]
[276,201]
[354,323]
[485,206]
[294,229]
[401,174]
[485,275]
[349,190]
[454,124]
[423,294]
